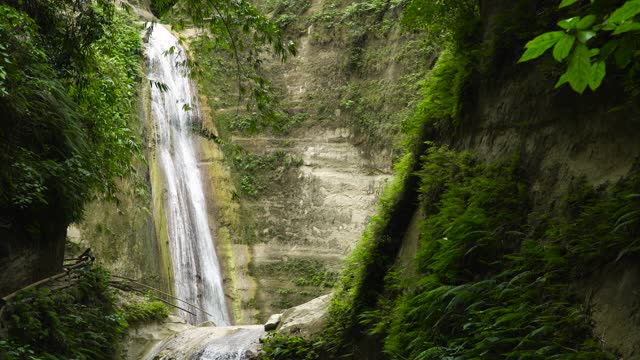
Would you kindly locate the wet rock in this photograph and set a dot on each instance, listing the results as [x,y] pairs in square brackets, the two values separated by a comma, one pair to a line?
[207,324]
[140,340]
[273,322]
[209,343]
[307,319]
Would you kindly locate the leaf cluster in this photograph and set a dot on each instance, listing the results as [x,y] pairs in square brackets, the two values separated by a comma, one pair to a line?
[484,290]
[607,33]
[455,22]
[65,133]
[281,347]
[80,322]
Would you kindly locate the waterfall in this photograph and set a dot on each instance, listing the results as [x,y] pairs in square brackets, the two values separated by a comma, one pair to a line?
[198,279]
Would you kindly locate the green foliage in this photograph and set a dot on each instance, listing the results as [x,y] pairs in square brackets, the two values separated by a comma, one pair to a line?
[492,281]
[80,322]
[282,347]
[489,287]
[454,21]
[303,272]
[606,33]
[12,351]
[284,12]
[143,310]
[256,173]
[67,91]
[443,90]
[604,228]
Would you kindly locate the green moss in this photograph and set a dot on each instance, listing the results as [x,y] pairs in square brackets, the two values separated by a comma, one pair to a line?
[442,103]
[143,310]
[257,174]
[302,272]
[351,288]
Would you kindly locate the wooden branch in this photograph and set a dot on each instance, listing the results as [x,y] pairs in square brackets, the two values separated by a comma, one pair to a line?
[120,286]
[161,292]
[67,270]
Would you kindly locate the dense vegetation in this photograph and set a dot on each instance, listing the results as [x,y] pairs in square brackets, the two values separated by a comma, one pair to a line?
[83,321]
[67,88]
[600,33]
[69,74]
[495,274]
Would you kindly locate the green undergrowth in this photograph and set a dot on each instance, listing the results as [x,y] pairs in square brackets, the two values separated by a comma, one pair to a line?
[494,284]
[79,322]
[494,278]
[283,347]
[261,174]
[439,108]
[302,272]
[66,95]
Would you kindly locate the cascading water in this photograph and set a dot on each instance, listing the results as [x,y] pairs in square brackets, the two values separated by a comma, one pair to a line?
[197,273]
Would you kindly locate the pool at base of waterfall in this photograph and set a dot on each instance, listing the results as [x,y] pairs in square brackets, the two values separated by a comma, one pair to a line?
[211,343]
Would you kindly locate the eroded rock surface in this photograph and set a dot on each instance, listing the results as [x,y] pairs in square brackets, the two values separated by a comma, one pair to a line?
[175,339]
[306,320]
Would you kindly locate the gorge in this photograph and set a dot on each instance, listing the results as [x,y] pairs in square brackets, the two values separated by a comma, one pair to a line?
[389,179]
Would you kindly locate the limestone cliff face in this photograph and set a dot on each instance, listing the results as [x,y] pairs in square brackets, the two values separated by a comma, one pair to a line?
[128,236]
[285,244]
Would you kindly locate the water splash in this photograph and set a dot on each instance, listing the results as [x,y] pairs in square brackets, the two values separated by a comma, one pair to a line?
[173,107]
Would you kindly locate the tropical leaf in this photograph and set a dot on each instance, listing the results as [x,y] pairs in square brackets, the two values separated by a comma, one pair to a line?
[579,70]
[566,3]
[540,44]
[563,47]
[570,23]
[626,11]
[626,27]
[598,72]
[586,22]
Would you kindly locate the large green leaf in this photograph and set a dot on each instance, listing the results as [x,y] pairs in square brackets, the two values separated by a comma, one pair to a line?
[570,23]
[626,27]
[626,11]
[585,36]
[563,80]
[579,70]
[598,71]
[563,47]
[624,53]
[586,22]
[540,44]
[608,49]
[565,3]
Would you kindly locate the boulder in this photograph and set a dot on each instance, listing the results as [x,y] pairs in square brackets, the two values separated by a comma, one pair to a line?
[305,320]
[273,322]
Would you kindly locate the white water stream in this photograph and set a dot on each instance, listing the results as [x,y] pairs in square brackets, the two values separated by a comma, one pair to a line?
[197,272]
